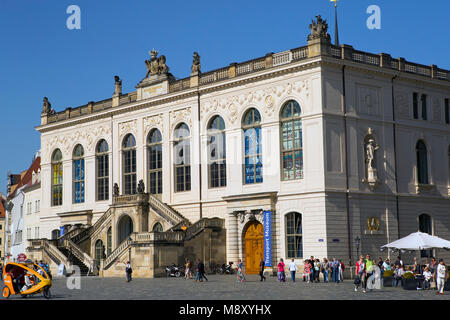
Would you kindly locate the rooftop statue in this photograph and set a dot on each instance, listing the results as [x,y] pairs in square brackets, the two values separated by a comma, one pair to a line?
[196,63]
[47,106]
[156,65]
[319,29]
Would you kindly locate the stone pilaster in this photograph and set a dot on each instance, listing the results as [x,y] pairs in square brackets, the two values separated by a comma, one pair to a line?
[232,238]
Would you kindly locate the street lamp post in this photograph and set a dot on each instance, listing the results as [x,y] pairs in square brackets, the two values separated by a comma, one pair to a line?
[357,241]
[129,250]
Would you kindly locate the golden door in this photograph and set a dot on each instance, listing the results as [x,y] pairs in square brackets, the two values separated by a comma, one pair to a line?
[254,247]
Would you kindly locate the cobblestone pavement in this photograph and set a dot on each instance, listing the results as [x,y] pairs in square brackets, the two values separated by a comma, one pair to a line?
[223,288]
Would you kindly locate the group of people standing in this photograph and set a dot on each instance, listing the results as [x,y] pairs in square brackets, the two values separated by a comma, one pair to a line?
[333,268]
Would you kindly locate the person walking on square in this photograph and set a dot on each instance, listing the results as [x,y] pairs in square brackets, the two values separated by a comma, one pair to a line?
[325,267]
[292,268]
[307,272]
[128,271]
[187,271]
[360,274]
[441,276]
[341,270]
[261,270]
[240,271]
[199,275]
[281,274]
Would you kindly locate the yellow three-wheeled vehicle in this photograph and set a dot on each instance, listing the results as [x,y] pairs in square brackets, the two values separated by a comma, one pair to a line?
[25,279]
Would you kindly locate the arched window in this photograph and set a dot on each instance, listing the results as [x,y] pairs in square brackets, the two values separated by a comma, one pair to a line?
[129,164]
[251,125]
[182,158]
[78,174]
[294,235]
[57,178]
[291,141]
[98,252]
[426,227]
[154,161]
[422,163]
[217,153]
[102,163]
[157,227]
[109,241]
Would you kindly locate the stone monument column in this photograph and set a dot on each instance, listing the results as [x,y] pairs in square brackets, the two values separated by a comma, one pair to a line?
[232,238]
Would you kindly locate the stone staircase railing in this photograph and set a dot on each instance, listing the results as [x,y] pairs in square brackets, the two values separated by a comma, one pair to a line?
[89,231]
[51,250]
[166,211]
[80,254]
[197,227]
[71,233]
[116,253]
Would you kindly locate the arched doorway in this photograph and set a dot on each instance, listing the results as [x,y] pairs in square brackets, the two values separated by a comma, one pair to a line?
[124,228]
[98,252]
[253,246]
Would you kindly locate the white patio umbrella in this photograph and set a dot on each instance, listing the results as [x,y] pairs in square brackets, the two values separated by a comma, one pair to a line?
[418,241]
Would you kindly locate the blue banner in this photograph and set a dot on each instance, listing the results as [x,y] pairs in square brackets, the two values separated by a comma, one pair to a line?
[267,238]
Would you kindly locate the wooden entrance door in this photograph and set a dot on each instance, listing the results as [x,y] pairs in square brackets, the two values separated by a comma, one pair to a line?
[254,246]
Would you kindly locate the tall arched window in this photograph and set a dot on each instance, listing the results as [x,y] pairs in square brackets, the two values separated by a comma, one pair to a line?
[102,163]
[109,241]
[251,125]
[291,141]
[294,235]
[129,164]
[154,161]
[57,178]
[157,227]
[78,174]
[217,153]
[182,158]
[426,227]
[422,163]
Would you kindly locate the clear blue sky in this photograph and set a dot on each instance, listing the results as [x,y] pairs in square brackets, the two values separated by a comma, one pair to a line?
[40,57]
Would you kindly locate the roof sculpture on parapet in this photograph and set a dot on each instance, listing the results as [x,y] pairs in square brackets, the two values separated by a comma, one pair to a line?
[319,29]
[156,65]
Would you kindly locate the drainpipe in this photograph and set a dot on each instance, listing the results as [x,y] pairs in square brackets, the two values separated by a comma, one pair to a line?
[395,158]
[347,195]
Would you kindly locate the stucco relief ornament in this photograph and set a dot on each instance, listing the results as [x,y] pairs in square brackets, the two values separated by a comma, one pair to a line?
[154,121]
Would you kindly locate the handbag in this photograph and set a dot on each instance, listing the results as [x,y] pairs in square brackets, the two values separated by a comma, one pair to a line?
[357,280]
[433,284]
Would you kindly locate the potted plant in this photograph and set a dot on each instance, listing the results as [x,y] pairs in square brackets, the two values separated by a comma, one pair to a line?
[388,277]
[409,282]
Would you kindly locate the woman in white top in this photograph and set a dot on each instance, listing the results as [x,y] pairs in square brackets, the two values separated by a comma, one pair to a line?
[292,269]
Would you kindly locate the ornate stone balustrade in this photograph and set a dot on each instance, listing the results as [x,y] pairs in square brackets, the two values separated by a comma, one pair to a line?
[130,198]
[116,253]
[269,61]
[91,230]
[165,210]
[80,254]
[202,224]
[51,250]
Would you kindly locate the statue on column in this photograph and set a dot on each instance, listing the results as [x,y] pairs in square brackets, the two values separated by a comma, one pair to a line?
[116,190]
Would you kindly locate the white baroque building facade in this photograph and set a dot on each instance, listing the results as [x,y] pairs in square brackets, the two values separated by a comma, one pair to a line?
[336,144]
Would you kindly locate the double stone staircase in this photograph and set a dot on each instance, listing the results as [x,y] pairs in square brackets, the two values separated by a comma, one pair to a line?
[66,249]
